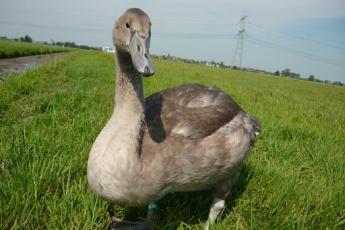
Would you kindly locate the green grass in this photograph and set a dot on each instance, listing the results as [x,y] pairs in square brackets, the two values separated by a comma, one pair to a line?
[49,117]
[10,49]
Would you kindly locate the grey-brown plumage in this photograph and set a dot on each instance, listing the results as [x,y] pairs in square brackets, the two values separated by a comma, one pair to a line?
[181,139]
[195,137]
[193,110]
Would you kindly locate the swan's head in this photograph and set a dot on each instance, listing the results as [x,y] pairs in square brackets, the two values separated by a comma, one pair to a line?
[131,35]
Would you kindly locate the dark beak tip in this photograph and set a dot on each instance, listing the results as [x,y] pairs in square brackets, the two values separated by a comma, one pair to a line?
[147,72]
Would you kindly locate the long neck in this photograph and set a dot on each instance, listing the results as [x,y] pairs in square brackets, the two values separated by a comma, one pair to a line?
[129,87]
[114,161]
[127,121]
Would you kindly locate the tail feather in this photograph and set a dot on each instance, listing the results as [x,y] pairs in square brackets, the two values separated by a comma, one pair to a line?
[256,126]
[253,127]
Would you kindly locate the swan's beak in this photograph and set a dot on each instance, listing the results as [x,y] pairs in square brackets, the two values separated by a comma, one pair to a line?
[139,50]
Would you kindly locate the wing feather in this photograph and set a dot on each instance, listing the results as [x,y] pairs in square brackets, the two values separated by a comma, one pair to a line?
[191,111]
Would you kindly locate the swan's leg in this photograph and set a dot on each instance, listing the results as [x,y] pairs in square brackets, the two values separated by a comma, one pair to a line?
[216,207]
[152,211]
[219,197]
[120,224]
[132,225]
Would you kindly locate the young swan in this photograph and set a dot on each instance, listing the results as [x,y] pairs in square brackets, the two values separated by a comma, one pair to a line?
[188,138]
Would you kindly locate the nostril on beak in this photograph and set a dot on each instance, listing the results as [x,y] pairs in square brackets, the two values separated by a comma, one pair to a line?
[147,70]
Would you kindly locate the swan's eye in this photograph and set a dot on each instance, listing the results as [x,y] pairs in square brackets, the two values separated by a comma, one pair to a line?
[138,48]
[127,25]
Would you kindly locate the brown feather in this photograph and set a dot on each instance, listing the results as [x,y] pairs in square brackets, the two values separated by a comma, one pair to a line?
[192,111]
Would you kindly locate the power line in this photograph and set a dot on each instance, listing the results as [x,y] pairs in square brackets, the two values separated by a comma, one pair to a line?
[296,52]
[328,44]
[97,30]
[239,36]
[194,35]
[190,22]
[64,28]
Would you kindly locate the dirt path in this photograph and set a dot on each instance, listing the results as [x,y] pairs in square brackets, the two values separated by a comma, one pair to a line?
[10,66]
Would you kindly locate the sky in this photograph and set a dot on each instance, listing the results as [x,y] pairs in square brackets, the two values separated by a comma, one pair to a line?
[308,36]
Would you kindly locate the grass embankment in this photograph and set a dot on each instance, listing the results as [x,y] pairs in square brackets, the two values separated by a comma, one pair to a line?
[10,49]
[49,118]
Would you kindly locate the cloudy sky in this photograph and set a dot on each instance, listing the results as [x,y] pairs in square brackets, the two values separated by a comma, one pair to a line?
[306,36]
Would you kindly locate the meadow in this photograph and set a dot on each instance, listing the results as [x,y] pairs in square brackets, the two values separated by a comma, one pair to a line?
[294,178]
[10,49]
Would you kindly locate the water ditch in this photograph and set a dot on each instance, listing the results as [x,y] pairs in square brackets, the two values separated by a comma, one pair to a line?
[12,66]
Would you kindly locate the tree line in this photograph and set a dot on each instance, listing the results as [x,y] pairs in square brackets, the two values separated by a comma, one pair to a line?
[27,38]
[288,73]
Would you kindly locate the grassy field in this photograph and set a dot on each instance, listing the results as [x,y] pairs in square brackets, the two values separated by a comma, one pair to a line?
[49,117]
[10,49]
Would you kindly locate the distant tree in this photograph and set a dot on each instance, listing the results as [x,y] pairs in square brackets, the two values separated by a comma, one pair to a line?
[74,45]
[296,75]
[26,38]
[311,78]
[338,83]
[70,44]
[277,73]
[286,72]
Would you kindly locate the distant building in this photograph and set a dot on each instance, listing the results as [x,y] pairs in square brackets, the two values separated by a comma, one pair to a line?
[212,64]
[108,49]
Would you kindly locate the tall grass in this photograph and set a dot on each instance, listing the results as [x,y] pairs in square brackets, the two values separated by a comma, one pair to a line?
[9,49]
[49,117]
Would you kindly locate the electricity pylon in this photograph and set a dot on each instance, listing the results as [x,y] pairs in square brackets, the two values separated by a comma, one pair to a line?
[237,58]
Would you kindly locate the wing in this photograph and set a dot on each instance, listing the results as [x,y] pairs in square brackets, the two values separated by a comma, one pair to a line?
[191,111]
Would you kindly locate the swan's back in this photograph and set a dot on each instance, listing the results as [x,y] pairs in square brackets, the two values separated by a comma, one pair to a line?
[192,110]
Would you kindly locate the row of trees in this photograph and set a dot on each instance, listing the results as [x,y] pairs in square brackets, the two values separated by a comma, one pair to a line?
[28,39]
[208,63]
[74,45]
[288,73]
[25,38]
[284,73]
